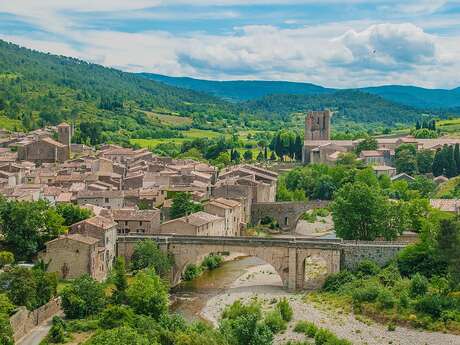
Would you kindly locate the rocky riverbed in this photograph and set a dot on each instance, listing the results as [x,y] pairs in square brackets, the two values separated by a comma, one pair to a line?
[263,283]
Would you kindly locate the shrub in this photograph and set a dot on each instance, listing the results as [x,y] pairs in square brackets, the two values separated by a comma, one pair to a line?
[83,297]
[118,336]
[148,295]
[434,305]
[420,258]
[367,268]
[116,316]
[306,327]
[57,332]
[323,336]
[285,309]
[389,276]
[275,321]
[6,258]
[6,307]
[385,299]
[404,299]
[237,309]
[365,294]
[191,272]
[6,333]
[418,285]
[335,281]
[212,261]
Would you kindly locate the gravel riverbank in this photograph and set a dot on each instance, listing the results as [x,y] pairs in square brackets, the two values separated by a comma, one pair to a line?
[263,282]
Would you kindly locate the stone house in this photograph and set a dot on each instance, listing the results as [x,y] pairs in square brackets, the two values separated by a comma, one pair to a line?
[132,221]
[43,150]
[103,229]
[110,199]
[74,255]
[196,224]
[384,170]
[231,211]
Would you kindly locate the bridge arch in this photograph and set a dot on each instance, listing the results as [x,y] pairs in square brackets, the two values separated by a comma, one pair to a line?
[186,254]
[286,213]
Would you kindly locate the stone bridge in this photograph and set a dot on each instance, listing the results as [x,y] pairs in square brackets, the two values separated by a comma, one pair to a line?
[288,256]
[287,214]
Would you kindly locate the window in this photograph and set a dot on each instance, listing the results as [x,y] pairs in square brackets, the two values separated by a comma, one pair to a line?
[106,200]
[286,221]
[140,223]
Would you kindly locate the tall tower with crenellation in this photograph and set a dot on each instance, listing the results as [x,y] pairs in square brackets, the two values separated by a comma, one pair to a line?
[318,125]
[65,136]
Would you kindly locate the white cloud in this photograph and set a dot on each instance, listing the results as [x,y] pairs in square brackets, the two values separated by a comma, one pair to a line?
[389,46]
[342,54]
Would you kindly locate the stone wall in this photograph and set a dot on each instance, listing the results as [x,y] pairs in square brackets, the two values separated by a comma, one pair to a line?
[23,321]
[285,213]
[354,253]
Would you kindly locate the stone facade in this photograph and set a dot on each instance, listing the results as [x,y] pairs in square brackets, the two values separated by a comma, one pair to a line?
[43,150]
[354,253]
[71,256]
[137,221]
[103,229]
[196,224]
[318,125]
[232,213]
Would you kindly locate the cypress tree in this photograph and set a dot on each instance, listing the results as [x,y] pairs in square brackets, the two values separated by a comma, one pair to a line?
[437,167]
[417,125]
[451,168]
[457,158]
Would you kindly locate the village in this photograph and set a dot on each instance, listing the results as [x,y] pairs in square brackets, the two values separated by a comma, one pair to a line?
[130,195]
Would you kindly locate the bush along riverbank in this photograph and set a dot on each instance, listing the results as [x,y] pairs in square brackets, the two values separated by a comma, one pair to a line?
[210,263]
[421,288]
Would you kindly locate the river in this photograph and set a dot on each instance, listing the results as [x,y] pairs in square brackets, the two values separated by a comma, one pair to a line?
[191,296]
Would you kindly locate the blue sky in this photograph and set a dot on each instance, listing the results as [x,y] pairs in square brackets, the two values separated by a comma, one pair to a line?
[334,43]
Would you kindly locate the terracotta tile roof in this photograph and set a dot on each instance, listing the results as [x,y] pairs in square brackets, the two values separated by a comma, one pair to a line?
[131,214]
[76,237]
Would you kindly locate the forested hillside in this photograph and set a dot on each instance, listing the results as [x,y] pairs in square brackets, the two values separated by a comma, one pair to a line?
[106,104]
[349,105]
[38,89]
[421,98]
[241,90]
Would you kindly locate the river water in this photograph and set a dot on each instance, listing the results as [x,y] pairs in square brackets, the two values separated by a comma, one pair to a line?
[191,296]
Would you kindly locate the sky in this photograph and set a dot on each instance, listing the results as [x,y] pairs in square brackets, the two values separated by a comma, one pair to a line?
[334,43]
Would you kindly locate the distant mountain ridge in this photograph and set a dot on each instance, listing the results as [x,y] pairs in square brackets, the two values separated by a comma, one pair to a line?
[241,90]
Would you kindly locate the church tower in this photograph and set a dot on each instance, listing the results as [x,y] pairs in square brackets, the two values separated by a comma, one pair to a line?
[65,136]
[318,125]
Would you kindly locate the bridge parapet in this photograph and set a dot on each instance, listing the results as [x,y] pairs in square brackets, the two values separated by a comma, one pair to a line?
[287,255]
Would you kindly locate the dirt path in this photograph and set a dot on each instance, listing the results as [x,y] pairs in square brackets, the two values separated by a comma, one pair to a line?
[262,282]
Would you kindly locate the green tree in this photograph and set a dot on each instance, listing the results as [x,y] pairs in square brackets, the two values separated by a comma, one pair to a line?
[148,295]
[368,143]
[247,156]
[119,280]
[119,336]
[182,204]
[148,254]
[83,297]
[21,287]
[438,164]
[359,212]
[449,246]
[424,161]
[28,225]
[457,158]
[405,161]
[72,213]
[116,316]
[6,333]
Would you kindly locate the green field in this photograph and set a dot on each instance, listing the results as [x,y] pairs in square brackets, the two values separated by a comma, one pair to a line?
[170,119]
[188,135]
